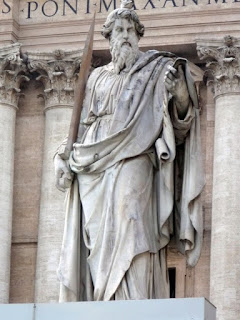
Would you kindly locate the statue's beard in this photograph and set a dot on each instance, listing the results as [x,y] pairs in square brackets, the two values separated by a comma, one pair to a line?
[124,54]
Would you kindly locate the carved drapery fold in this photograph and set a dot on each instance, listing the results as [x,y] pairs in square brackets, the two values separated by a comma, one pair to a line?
[223,63]
[57,71]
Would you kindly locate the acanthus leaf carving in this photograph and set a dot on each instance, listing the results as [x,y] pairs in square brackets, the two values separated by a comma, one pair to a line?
[223,63]
[57,71]
[13,72]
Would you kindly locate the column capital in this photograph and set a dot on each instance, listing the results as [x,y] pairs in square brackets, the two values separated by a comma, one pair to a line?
[12,73]
[58,71]
[223,63]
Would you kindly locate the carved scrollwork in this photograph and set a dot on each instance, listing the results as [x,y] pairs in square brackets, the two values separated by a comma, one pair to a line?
[223,63]
[57,71]
[12,73]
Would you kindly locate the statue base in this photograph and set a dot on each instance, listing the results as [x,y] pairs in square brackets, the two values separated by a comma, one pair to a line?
[164,309]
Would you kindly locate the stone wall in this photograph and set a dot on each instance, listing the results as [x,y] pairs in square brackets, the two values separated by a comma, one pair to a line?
[27,192]
[171,25]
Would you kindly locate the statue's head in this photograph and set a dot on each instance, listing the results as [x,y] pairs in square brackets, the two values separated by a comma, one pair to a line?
[123,29]
[122,13]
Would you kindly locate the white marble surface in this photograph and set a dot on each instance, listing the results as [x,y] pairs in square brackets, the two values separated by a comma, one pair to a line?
[165,309]
[7,143]
[130,105]
[225,243]
[223,62]
[51,217]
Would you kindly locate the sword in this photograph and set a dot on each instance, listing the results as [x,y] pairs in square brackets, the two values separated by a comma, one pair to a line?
[79,93]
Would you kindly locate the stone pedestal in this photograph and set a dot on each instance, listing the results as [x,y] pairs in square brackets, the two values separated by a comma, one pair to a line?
[164,309]
[224,74]
[10,79]
[57,73]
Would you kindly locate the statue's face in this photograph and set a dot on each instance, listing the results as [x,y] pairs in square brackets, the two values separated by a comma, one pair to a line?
[124,32]
[124,45]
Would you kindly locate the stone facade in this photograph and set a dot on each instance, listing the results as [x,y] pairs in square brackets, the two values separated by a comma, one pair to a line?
[12,74]
[223,75]
[36,95]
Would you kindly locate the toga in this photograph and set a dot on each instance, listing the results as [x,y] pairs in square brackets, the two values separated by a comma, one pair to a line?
[138,179]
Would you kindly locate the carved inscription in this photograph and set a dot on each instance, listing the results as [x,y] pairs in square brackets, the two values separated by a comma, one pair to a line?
[61,8]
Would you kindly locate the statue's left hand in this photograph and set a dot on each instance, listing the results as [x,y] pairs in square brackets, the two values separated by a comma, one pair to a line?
[176,84]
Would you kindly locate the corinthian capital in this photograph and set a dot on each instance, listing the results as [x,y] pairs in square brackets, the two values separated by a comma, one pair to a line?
[12,74]
[57,71]
[223,63]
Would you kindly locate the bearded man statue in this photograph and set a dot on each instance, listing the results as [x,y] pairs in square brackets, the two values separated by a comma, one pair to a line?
[137,173]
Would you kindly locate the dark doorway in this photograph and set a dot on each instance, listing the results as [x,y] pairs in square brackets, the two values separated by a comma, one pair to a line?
[172,282]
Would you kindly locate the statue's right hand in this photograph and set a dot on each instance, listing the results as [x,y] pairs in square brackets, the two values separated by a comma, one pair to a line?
[63,174]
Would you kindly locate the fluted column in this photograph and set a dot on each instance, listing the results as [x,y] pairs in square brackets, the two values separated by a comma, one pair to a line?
[11,76]
[57,73]
[224,74]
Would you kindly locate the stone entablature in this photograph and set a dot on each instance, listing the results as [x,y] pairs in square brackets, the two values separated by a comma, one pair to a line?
[63,10]
[223,63]
[58,72]
[12,74]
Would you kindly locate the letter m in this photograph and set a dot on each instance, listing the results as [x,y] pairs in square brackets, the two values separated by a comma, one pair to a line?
[216,1]
[107,7]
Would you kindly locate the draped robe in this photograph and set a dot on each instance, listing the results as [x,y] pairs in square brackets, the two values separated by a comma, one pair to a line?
[122,201]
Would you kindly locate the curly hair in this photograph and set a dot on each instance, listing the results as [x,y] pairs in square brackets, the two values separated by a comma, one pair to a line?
[122,14]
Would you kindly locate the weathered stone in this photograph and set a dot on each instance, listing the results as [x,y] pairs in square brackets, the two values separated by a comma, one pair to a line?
[126,112]
[11,76]
[66,29]
[223,59]
[224,65]
[23,269]
[58,72]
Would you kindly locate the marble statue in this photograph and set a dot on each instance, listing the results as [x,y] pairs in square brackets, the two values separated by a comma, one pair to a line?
[135,173]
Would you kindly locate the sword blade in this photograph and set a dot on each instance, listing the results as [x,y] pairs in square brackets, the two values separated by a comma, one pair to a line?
[79,92]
